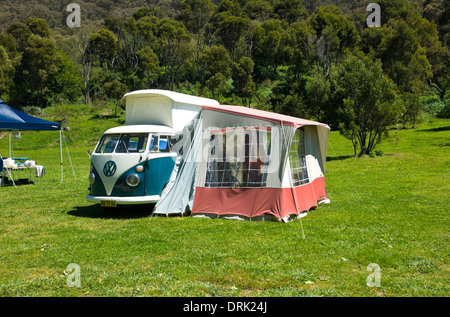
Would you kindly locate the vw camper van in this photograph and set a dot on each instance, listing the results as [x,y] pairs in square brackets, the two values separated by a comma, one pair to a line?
[132,164]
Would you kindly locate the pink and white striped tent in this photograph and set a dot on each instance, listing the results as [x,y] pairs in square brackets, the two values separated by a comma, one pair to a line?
[246,163]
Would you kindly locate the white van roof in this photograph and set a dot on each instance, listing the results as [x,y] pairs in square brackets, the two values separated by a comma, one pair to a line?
[141,129]
[163,107]
[175,96]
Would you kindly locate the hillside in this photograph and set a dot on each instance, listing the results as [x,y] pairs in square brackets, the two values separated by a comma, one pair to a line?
[302,58]
[93,12]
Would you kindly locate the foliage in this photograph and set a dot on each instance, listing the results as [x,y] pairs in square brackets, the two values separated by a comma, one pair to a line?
[242,79]
[434,106]
[6,70]
[366,101]
[273,55]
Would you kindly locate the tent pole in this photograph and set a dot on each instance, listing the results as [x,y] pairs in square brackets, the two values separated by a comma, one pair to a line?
[303,232]
[60,152]
[10,152]
[68,154]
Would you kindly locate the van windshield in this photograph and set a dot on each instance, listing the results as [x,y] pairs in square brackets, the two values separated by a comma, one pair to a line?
[107,143]
[125,143]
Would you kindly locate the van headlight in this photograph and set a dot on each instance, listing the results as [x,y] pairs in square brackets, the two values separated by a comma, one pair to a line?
[133,180]
[91,178]
[139,168]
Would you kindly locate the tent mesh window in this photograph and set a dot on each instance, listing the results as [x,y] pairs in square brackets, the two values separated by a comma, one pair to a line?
[299,171]
[238,157]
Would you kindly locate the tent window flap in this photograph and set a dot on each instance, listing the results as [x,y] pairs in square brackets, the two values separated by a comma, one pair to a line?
[297,160]
[238,157]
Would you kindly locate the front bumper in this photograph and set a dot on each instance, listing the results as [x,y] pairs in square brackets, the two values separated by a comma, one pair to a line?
[125,200]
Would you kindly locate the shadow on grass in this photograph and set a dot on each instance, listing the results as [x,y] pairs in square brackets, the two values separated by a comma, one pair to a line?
[339,158]
[447,128]
[17,183]
[121,212]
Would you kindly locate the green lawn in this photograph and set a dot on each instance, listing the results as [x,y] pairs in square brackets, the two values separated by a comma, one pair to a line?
[390,210]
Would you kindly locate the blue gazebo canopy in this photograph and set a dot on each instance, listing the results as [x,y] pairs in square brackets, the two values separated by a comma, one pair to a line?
[12,119]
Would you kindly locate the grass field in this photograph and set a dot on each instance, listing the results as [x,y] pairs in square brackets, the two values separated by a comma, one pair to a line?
[391,210]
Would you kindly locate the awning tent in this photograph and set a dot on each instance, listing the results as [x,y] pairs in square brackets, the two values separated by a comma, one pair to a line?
[249,164]
[15,120]
[12,119]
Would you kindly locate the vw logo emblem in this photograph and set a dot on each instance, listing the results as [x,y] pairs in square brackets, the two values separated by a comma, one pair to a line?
[110,168]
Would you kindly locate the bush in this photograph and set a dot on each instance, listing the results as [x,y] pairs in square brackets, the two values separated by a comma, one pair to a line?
[376,153]
[33,111]
[445,112]
[433,106]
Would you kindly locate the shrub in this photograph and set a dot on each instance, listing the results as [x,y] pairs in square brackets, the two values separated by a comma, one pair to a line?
[432,105]
[445,111]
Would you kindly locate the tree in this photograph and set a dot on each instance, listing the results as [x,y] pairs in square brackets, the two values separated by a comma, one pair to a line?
[135,36]
[289,10]
[436,54]
[149,12]
[366,100]
[115,90]
[260,10]
[215,59]
[39,65]
[409,48]
[229,24]
[39,27]
[10,44]
[242,79]
[67,84]
[300,40]
[148,66]
[331,19]
[335,34]
[394,9]
[267,51]
[103,46]
[215,64]
[403,59]
[85,65]
[173,50]
[398,46]
[6,71]
[195,14]
[317,91]
[218,85]
[21,33]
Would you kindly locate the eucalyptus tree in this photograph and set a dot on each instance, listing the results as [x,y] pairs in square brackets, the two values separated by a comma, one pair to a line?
[366,102]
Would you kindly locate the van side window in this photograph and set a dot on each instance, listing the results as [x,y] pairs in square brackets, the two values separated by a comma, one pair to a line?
[132,143]
[172,141]
[154,144]
[164,145]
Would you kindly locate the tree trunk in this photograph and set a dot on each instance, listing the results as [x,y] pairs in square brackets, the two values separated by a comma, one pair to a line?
[363,151]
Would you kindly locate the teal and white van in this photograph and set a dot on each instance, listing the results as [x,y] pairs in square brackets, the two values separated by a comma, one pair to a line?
[132,164]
